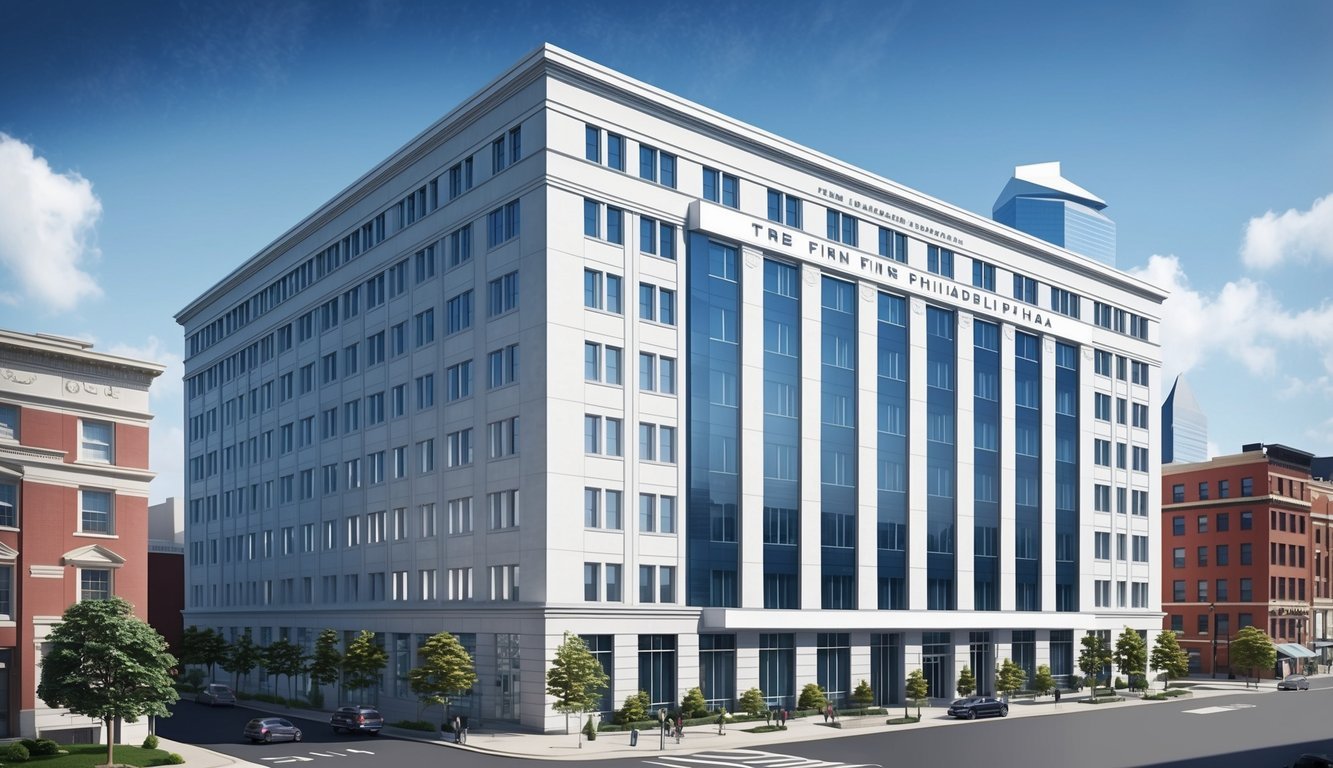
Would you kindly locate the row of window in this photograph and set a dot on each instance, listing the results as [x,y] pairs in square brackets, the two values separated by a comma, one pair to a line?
[1223,490]
[380,586]
[1223,523]
[602,436]
[1137,594]
[1102,547]
[657,583]
[1101,499]
[1102,410]
[1223,592]
[97,509]
[501,370]
[1223,555]
[455,249]
[1101,450]
[603,509]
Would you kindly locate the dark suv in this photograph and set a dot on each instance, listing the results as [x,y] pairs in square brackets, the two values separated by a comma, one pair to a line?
[357,719]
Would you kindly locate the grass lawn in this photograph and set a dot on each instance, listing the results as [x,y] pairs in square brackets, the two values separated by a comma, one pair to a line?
[89,755]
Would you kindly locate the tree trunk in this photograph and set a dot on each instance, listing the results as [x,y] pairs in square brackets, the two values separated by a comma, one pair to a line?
[110,742]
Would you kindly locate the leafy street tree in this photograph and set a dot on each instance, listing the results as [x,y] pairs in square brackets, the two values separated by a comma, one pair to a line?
[285,658]
[206,647]
[1093,658]
[1131,655]
[241,658]
[363,662]
[812,697]
[863,695]
[325,664]
[1252,649]
[1169,658]
[1009,678]
[918,687]
[1043,682]
[753,704]
[575,680]
[446,670]
[693,705]
[966,682]
[107,663]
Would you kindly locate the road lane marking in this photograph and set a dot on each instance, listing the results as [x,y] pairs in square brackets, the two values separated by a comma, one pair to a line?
[749,758]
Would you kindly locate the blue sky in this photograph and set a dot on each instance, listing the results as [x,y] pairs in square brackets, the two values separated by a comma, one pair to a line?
[148,148]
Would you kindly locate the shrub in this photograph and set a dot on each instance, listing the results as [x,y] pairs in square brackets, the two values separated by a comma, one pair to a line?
[14,753]
[752,703]
[635,708]
[590,730]
[812,697]
[863,694]
[693,705]
[150,741]
[175,758]
[1119,683]
[414,725]
[42,747]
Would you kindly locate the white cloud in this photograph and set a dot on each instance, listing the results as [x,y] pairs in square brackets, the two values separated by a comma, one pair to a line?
[1244,321]
[46,225]
[166,457]
[1295,235]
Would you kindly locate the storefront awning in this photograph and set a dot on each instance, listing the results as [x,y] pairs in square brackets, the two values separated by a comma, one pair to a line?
[1323,644]
[1295,651]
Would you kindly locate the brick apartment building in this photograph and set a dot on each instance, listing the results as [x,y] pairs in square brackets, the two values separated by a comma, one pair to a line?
[73,508]
[1243,545]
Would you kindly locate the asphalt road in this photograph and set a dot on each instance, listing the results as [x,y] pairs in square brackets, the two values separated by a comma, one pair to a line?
[1240,730]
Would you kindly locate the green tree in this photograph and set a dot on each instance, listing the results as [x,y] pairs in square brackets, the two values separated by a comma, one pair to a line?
[863,695]
[576,678]
[107,663]
[967,683]
[1093,658]
[918,687]
[753,704]
[363,662]
[446,670]
[1131,655]
[286,658]
[812,697]
[1009,678]
[241,658]
[1252,649]
[206,647]
[1169,658]
[693,705]
[635,708]
[326,663]
[1043,682]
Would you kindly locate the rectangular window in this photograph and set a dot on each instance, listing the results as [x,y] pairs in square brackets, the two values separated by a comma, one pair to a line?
[893,245]
[503,366]
[503,509]
[602,291]
[458,313]
[592,143]
[503,294]
[94,584]
[983,275]
[96,441]
[615,151]
[1064,302]
[939,261]
[1025,289]
[843,228]
[502,224]
[459,380]
[97,512]
[721,188]
[657,238]
[785,209]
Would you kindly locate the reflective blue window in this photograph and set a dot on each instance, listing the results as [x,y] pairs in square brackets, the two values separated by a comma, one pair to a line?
[1027,472]
[1066,477]
[838,446]
[939,261]
[892,245]
[782,434]
[615,151]
[891,453]
[593,144]
[941,460]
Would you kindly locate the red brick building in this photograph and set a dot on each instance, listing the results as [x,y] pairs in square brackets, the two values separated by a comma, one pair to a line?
[1239,548]
[73,507]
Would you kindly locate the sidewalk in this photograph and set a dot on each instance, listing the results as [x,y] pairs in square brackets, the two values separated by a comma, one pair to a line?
[545,746]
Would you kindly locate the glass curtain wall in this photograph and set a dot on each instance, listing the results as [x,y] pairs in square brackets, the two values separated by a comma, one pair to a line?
[941,459]
[1027,472]
[838,446]
[782,435]
[1066,477]
[986,462]
[891,463]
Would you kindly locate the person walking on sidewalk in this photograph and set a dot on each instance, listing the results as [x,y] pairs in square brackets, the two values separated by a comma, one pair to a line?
[458,729]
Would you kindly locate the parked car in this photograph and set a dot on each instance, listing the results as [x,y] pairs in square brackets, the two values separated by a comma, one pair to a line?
[978,706]
[357,719]
[216,695]
[1294,683]
[268,729]
[1311,760]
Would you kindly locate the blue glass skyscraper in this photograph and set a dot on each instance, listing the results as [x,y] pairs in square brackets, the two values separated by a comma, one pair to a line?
[1041,202]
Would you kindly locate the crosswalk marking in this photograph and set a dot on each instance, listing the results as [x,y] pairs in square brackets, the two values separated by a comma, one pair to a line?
[748,758]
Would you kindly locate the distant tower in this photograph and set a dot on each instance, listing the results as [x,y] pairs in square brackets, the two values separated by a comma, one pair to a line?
[1184,426]
[1041,202]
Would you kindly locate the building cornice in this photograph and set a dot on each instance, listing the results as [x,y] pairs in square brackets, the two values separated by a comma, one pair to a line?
[62,357]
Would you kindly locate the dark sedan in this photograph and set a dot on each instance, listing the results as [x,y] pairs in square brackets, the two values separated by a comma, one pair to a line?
[1294,683]
[978,706]
[268,729]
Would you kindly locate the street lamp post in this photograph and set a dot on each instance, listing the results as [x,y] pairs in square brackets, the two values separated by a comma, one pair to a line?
[661,727]
[1212,616]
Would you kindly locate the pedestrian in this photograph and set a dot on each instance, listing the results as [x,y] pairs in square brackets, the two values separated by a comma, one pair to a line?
[464,724]
[721,720]
[828,712]
[782,718]
[458,730]
[680,728]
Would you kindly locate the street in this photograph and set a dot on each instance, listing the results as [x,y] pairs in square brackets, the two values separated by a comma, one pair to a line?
[1242,730]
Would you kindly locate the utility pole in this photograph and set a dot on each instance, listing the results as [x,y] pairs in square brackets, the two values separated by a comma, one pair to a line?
[1212,616]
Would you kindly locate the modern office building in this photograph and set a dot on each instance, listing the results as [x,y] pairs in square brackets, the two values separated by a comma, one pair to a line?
[1041,202]
[587,356]
[73,509]
[1242,546]
[1184,426]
